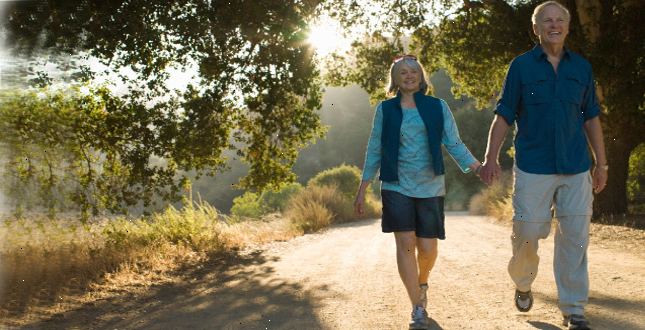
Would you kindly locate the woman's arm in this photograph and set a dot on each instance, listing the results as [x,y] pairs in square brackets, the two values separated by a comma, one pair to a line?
[455,147]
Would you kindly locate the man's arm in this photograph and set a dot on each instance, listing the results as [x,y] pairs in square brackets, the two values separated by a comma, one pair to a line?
[491,169]
[593,129]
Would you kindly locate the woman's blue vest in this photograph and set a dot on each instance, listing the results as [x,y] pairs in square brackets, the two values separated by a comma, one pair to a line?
[431,113]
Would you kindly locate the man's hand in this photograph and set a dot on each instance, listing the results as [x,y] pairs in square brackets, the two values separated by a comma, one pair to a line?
[599,179]
[490,172]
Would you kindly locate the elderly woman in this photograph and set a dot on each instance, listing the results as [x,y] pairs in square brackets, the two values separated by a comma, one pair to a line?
[405,144]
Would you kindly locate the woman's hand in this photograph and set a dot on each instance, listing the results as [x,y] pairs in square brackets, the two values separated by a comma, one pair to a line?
[359,203]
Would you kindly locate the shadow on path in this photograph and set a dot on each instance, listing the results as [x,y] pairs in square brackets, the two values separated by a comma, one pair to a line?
[610,305]
[226,293]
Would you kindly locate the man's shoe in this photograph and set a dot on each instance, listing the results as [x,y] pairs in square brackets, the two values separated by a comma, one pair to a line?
[424,295]
[419,319]
[576,322]
[523,301]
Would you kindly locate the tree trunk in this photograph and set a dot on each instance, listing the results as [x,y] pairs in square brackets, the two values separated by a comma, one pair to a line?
[613,199]
[589,12]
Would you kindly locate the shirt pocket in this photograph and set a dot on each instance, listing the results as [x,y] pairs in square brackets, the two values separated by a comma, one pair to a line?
[574,89]
[535,90]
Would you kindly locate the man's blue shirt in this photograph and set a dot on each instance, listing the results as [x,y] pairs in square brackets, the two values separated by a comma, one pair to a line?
[550,110]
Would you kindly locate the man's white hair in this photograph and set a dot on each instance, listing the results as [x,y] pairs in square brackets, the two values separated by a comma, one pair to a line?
[537,12]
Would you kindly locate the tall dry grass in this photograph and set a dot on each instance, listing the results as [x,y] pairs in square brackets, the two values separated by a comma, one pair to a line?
[495,200]
[42,260]
[317,207]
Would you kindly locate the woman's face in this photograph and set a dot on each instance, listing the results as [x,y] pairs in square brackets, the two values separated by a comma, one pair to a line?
[409,79]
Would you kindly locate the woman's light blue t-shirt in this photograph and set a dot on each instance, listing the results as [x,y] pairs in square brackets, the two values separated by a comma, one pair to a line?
[416,176]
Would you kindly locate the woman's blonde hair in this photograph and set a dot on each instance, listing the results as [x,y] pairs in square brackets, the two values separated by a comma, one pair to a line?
[410,62]
[540,8]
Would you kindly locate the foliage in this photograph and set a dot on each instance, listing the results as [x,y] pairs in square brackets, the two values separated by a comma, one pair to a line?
[248,205]
[256,89]
[276,200]
[346,178]
[194,226]
[309,214]
[370,64]
[317,206]
[70,149]
[636,181]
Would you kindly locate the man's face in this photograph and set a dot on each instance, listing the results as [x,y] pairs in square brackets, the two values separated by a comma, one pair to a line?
[552,26]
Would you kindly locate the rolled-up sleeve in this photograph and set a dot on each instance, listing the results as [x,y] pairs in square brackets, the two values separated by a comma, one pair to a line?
[451,140]
[508,103]
[373,153]
[590,105]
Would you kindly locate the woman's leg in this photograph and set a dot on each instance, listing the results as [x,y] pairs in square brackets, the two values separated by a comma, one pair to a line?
[407,264]
[426,257]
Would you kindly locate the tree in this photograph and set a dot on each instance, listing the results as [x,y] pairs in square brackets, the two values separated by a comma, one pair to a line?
[476,40]
[257,88]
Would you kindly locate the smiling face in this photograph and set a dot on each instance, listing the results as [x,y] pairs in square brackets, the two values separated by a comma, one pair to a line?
[552,26]
[408,79]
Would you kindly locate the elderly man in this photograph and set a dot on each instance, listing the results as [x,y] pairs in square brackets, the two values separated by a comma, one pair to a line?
[549,94]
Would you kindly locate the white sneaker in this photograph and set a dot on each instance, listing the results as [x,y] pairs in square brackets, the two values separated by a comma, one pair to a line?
[419,319]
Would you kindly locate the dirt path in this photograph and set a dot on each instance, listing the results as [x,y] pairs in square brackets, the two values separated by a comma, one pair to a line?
[346,278]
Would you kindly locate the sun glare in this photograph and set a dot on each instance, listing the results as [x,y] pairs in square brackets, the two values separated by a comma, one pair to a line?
[327,37]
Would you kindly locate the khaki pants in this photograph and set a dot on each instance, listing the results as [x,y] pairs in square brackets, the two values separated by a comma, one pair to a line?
[570,198]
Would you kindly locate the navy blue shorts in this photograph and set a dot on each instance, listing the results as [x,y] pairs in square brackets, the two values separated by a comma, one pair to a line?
[424,216]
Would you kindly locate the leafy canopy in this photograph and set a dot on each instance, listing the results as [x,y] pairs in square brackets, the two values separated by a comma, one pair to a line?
[256,90]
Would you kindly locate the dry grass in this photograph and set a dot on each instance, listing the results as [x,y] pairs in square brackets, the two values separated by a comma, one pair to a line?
[43,260]
[272,227]
[47,266]
[495,200]
[316,207]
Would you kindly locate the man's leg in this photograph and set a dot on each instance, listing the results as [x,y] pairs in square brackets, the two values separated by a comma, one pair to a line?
[523,266]
[573,205]
[532,201]
[570,263]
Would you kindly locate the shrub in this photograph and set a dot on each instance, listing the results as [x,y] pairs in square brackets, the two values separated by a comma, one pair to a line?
[309,210]
[338,206]
[346,178]
[277,200]
[248,205]
[494,200]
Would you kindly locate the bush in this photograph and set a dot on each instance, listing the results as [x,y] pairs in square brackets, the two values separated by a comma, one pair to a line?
[346,178]
[495,200]
[338,206]
[277,200]
[248,205]
[311,209]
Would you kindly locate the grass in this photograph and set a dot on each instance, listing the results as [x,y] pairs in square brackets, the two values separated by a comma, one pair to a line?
[44,262]
[317,207]
[495,200]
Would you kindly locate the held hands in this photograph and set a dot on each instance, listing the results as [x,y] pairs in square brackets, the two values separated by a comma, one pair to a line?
[489,172]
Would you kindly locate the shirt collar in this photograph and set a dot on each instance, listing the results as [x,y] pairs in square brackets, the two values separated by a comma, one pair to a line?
[538,52]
